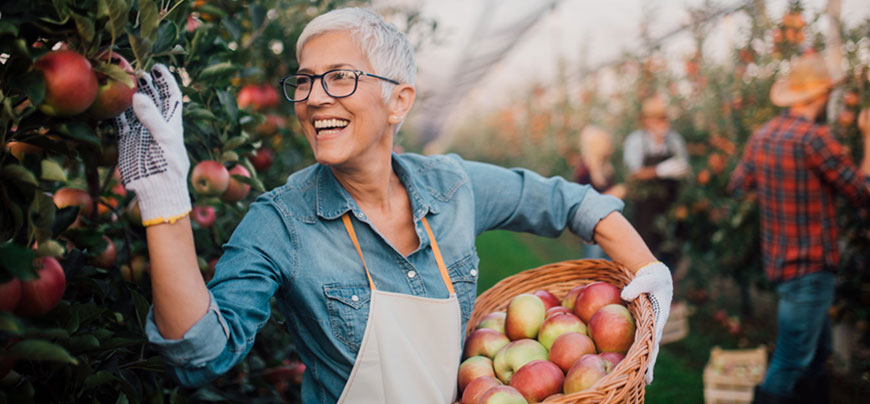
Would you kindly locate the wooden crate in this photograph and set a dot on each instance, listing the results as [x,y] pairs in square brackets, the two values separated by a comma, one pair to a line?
[677,326]
[731,375]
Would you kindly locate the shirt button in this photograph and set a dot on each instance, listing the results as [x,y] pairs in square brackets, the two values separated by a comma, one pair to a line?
[354,298]
[473,272]
[412,274]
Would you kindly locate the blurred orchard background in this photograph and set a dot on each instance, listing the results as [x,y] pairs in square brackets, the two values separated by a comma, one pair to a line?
[507,82]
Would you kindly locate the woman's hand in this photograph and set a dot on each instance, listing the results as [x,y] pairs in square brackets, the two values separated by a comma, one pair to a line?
[152,159]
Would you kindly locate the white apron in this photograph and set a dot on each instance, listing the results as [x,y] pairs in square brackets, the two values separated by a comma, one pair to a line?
[411,347]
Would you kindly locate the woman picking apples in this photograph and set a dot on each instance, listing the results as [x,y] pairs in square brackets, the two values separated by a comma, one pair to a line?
[369,254]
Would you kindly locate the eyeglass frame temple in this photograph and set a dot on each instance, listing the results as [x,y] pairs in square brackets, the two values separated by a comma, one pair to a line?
[320,76]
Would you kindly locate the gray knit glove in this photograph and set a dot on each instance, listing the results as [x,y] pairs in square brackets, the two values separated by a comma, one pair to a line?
[152,159]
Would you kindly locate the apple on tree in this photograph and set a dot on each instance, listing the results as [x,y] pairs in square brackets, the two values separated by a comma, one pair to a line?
[538,380]
[525,314]
[203,215]
[40,295]
[472,368]
[210,178]
[106,258]
[10,294]
[115,92]
[236,190]
[262,159]
[70,83]
[475,389]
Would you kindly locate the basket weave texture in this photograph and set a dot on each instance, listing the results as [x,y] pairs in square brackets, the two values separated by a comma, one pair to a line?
[625,384]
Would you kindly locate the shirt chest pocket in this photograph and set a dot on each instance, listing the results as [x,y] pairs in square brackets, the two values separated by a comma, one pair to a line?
[348,307]
[463,274]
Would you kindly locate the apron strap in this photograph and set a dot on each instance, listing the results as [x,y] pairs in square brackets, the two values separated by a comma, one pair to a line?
[435,250]
[347,225]
[438,257]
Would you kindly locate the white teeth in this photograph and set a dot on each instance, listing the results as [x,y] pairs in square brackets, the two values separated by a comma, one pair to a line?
[330,123]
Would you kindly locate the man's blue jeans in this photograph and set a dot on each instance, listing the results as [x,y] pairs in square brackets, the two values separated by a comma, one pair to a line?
[803,342]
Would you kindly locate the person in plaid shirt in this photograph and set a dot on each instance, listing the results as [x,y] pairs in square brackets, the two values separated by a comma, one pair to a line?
[796,168]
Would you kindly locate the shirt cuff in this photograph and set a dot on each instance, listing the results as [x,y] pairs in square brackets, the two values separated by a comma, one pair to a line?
[594,207]
[201,344]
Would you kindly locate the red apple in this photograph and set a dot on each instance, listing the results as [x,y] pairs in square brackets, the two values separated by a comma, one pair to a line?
[66,196]
[262,159]
[70,83]
[249,96]
[475,389]
[39,296]
[270,125]
[485,342]
[502,395]
[612,328]
[10,294]
[210,178]
[21,149]
[270,95]
[549,299]
[569,347]
[584,373]
[613,357]
[110,202]
[472,368]
[113,96]
[236,190]
[595,296]
[516,354]
[525,314]
[203,215]
[134,272]
[538,380]
[494,320]
[555,326]
[571,297]
[552,311]
[106,258]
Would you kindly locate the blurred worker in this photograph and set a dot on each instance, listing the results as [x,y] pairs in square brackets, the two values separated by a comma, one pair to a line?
[796,166]
[594,168]
[657,160]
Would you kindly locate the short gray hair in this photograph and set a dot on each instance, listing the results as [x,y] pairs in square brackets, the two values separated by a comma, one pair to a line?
[388,50]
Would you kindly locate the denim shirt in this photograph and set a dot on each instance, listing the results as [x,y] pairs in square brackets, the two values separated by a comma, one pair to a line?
[292,245]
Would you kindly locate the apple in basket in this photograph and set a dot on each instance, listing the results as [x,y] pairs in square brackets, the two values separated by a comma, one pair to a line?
[555,326]
[494,321]
[502,395]
[595,296]
[484,342]
[569,347]
[612,328]
[549,299]
[475,389]
[472,368]
[571,297]
[552,311]
[525,314]
[613,357]
[538,380]
[584,373]
[516,354]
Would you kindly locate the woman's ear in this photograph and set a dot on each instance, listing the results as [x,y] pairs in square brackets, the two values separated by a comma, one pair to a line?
[401,102]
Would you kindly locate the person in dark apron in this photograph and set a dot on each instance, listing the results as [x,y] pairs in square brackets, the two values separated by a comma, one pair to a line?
[657,160]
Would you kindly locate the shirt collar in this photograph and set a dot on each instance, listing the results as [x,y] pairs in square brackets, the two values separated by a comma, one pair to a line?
[332,200]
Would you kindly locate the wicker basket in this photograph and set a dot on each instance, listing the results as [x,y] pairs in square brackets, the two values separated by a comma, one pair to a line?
[625,384]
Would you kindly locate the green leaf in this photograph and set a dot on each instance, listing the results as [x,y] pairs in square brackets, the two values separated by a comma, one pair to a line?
[152,364]
[228,102]
[149,18]
[258,15]
[8,28]
[232,28]
[99,378]
[9,323]
[18,260]
[234,142]
[142,307]
[80,131]
[80,343]
[63,219]
[32,84]
[52,171]
[167,34]
[102,10]
[252,181]
[39,350]
[19,174]
[141,49]
[118,12]
[197,113]
[217,71]
[213,10]
[85,27]
[115,72]
[42,216]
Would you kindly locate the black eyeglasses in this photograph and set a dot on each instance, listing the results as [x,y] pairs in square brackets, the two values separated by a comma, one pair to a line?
[337,83]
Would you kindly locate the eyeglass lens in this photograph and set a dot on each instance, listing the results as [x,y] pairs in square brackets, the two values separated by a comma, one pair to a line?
[337,83]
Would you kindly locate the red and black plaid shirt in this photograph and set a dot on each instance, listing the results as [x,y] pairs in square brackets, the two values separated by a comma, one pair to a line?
[797,167]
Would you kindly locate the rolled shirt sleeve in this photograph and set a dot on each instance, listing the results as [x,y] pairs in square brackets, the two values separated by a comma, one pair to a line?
[200,344]
[522,200]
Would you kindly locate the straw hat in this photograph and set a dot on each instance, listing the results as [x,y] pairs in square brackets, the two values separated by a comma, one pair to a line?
[654,107]
[809,78]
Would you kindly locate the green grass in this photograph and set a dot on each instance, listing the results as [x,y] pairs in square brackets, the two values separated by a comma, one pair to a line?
[679,365]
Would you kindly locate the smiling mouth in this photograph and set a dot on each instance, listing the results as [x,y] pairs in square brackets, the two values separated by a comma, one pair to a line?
[329,126]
